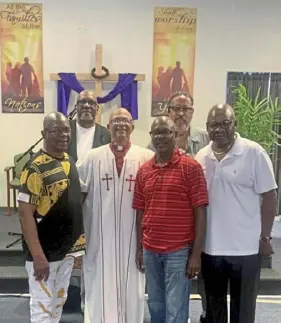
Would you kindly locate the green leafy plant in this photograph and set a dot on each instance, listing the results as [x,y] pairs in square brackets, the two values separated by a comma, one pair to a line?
[258,118]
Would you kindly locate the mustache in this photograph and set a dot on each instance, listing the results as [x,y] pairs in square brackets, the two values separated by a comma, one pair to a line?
[180,119]
[86,111]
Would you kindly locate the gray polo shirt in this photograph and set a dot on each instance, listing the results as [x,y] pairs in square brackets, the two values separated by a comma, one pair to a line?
[197,140]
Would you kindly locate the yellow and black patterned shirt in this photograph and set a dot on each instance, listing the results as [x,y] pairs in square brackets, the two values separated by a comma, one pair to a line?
[53,186]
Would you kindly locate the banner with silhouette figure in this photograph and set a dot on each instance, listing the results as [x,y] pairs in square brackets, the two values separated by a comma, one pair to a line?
[173,54]
[22,87]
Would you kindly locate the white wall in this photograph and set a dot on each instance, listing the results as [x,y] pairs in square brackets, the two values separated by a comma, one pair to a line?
[232,35]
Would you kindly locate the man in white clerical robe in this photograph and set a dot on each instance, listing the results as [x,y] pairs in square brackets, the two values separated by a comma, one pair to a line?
[114,287]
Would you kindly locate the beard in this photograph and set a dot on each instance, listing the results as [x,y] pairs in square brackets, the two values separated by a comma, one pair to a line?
[181,125]
[86,116]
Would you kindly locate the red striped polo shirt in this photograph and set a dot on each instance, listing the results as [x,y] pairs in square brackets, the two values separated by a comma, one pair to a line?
[167,195]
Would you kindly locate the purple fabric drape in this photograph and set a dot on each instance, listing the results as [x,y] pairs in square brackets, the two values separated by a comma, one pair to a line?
[129,100]
[126,86]
[67,83]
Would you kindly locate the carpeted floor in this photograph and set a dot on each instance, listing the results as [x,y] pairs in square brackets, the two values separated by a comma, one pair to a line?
[15,310]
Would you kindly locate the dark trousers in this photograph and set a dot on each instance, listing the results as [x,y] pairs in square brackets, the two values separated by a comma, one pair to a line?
[201,292]
[242,274]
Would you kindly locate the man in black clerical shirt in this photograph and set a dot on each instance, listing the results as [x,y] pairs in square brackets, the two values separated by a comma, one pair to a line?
[51,219]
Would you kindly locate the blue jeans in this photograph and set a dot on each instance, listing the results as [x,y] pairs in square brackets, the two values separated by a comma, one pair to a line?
[167,286]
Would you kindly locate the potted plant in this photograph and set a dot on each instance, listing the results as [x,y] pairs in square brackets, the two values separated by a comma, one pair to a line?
[257,119]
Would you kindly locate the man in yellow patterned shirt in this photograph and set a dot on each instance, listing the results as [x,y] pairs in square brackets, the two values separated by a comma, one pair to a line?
[50,211]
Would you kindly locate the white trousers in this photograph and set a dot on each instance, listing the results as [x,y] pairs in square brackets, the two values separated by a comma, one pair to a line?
[48,298]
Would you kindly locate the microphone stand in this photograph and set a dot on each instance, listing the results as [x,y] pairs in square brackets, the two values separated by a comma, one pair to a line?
[71,116]
[29,151]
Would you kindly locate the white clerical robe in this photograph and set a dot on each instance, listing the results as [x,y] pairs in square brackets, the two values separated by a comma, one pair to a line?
[114,287]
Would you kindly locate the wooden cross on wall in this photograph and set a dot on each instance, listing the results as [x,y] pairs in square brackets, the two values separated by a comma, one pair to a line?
[98,83]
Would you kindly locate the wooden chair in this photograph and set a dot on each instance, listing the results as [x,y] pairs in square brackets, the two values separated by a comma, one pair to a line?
[13,179]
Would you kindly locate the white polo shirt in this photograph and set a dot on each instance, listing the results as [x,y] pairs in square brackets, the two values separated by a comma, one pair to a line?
[235,185]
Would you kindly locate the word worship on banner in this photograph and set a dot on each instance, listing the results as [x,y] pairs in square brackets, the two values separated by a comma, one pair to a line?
[21,55]
[173,54]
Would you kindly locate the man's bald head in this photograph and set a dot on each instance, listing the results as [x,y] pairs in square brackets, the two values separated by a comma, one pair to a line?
[87,94]
[120,126]
[163,120]
[120,112]
[56,133]
[221,125]
[54,117]
[221,109]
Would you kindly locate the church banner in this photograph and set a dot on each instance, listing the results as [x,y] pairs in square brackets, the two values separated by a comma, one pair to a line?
[173,54]
[22,87]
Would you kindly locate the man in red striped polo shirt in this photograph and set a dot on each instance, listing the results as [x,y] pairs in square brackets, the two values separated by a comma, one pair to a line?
[170,198]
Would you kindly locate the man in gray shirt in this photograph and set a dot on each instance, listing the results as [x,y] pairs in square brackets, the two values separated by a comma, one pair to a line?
[189,140]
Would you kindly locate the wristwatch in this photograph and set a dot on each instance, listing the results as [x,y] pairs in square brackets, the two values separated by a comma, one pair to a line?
[265,238]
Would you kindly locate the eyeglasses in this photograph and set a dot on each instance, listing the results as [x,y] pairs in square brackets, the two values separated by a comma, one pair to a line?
[90,103]
[161,134]
[58,132]
[182,109]
[224,124]
[120,121]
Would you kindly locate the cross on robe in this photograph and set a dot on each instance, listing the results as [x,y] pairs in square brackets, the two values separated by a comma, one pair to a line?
[97,88]
[130,180]
[107,179]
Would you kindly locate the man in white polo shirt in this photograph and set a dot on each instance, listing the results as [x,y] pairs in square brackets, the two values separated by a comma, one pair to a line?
[242,207]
